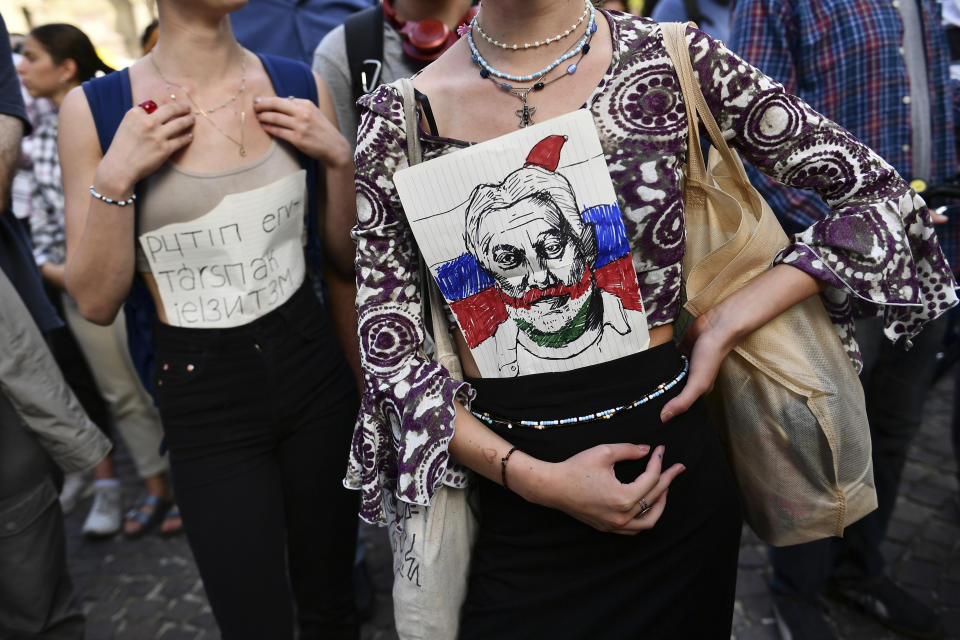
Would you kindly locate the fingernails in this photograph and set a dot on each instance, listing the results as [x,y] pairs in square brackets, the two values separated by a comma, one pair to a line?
[665,415]
[256,100]
[660,451]
[644,449]
[683,468]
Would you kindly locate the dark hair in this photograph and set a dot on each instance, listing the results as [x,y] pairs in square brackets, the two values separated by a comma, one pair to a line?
[66,42]
[148,33]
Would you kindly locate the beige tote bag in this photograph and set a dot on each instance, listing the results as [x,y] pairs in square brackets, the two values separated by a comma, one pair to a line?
[787,400]
[431,544]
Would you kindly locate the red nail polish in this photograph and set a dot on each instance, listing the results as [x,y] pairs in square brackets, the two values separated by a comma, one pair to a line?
[148,105]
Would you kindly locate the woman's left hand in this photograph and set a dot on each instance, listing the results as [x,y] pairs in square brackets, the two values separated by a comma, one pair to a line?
[715,333]
[706,343]
[302,124]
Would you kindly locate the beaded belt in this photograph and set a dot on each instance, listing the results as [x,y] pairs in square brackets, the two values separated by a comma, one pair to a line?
[606,414]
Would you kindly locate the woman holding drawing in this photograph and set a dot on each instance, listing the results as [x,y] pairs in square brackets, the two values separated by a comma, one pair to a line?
[606,506]
[200,193]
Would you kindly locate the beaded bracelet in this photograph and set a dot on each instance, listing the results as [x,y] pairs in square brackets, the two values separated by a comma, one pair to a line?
[503,467]
[119,203]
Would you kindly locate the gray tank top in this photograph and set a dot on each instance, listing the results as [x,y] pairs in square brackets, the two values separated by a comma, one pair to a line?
[172,194]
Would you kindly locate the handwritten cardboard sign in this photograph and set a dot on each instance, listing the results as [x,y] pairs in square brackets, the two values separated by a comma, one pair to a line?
[525,239]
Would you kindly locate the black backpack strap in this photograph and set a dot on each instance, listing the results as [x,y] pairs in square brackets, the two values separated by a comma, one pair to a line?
[363,32]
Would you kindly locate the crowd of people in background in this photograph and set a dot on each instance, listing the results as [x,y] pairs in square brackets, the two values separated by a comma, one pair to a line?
[147,298]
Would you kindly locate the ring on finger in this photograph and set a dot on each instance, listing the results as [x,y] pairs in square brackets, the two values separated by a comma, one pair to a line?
[290,97]
[644,507]
[148,105]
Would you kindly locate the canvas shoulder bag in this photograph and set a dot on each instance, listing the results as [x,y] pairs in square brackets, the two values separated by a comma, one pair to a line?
[787,400]
[431,544]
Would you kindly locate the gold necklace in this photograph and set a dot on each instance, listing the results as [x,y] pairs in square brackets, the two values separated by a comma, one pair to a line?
[206,112]
[199,110]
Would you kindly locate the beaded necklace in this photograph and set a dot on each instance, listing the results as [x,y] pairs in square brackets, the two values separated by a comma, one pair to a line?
[486,70]
[525,113]
[538,43]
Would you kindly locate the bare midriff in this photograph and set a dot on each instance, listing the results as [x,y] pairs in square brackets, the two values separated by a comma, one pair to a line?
[154,290]
[658,336]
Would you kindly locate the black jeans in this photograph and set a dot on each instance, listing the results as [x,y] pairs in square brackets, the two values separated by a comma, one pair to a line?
[895,384]
[258,420]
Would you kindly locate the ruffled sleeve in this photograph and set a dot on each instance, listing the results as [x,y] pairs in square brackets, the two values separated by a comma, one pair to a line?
[399,451]
[876,249]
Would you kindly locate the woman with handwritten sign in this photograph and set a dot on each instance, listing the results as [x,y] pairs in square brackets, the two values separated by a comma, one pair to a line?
[206,179]
[548,212]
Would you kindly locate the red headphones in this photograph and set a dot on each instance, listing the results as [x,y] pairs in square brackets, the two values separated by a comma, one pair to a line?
[425,40]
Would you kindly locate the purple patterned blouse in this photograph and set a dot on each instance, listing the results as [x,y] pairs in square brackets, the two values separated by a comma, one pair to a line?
[877,251]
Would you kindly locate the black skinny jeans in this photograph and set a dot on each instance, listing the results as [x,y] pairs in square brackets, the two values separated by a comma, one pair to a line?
[258,420]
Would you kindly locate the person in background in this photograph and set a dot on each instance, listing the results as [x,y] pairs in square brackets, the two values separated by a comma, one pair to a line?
[398,57]
[43,429]
[37,109]
[712,16]
[879,69]
[951,23]
[57,58]
[290,28]
[66,352]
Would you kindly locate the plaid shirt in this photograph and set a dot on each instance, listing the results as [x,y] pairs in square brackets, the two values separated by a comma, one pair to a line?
[46,215]
[844,58]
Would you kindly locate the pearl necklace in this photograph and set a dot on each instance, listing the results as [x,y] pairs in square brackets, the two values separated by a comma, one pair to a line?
[538,43]
[486,70]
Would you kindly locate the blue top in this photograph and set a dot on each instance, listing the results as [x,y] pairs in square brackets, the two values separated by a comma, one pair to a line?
[290,28]
[717,13]
[16,254]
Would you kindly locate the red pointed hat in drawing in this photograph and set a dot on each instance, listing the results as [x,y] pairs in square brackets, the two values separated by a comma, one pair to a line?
[546,153]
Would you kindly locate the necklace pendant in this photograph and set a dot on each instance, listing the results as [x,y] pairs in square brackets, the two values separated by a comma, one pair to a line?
[243,151]
[526,115]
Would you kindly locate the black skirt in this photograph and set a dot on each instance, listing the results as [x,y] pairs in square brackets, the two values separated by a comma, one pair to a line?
[538,573]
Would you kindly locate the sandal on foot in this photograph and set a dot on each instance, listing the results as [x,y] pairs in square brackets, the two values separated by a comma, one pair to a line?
[172,522]
[148,512]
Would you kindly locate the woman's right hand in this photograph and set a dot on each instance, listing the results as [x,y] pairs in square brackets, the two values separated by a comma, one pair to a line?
[142,143]
[584,487]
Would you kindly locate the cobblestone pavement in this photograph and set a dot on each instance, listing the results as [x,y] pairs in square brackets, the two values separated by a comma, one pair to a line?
[149,588]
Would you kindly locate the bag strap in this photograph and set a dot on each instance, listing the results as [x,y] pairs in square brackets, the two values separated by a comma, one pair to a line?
[446,352]
[363,32]
[675,41]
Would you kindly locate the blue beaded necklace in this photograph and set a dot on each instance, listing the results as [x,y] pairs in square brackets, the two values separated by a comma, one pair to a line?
[486,70]
[526,112]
